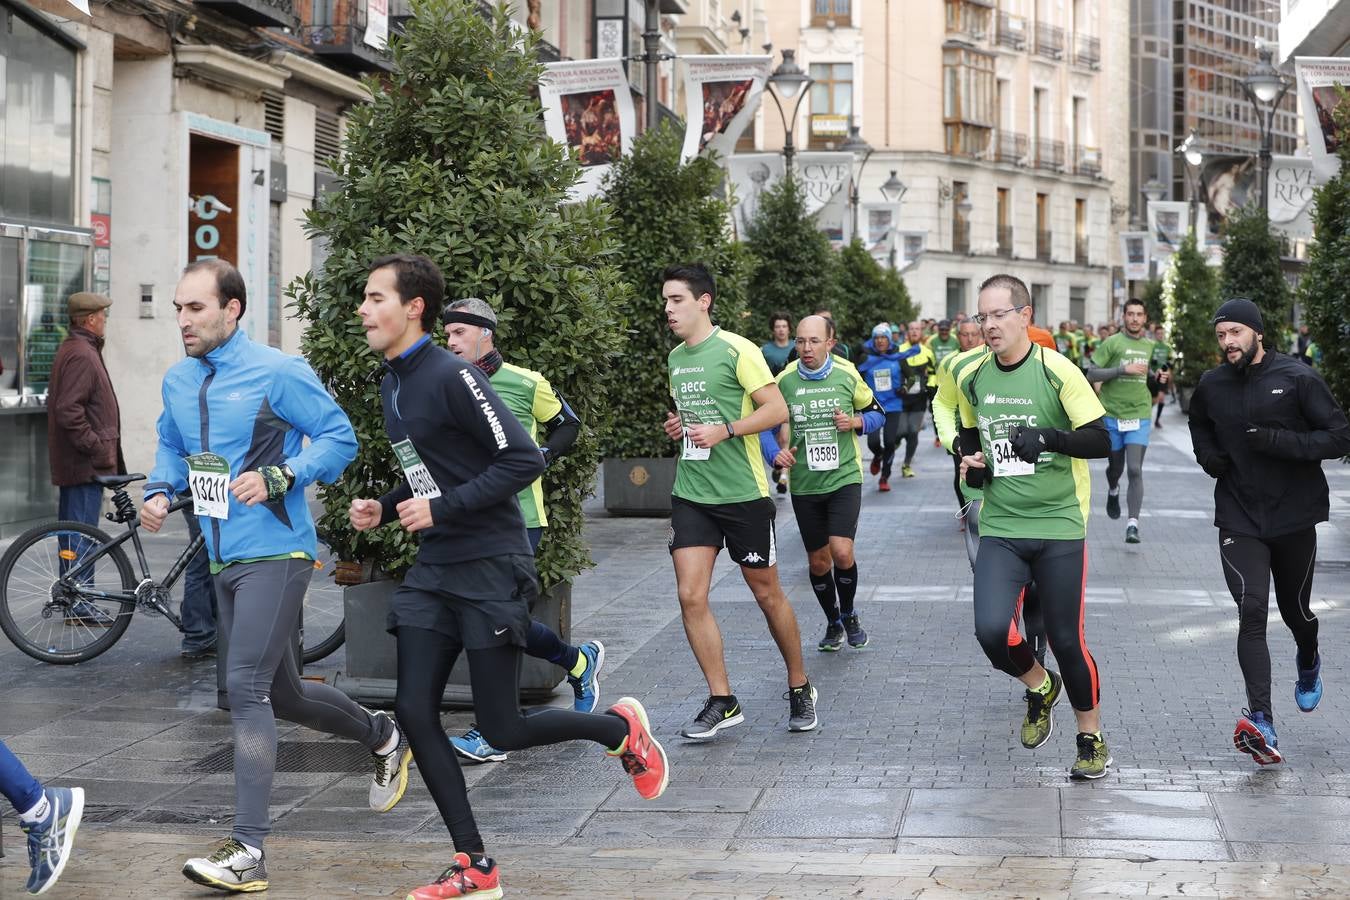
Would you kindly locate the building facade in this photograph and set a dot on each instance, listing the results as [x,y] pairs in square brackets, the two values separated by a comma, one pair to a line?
[995,116]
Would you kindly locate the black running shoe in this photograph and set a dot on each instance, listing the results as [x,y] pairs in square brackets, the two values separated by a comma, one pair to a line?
[716,715]
[1113,506]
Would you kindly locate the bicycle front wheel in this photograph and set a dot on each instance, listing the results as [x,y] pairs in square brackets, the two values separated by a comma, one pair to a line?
[56,620]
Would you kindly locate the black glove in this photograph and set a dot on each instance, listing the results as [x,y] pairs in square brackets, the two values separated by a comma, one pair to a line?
[1217,465]
[1260,439]
[978,478]
[1030,443]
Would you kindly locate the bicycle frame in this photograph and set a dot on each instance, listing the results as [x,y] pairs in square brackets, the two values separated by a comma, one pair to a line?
[71,578]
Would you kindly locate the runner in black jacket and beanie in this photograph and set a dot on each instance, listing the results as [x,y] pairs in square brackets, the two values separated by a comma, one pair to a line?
[1261,424]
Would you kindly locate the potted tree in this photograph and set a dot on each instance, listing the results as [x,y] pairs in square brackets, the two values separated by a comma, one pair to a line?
[663,213]
[1251,269]
[1190,298]
[450,159]
[795,268]
[1322,290]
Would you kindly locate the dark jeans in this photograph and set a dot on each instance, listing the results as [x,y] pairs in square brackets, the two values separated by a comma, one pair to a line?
[199,597]
[78,503]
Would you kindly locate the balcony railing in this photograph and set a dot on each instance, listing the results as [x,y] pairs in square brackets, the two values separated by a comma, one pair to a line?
[1005,241]
[266,13]
[1009,147]
[1087,51]
[1050,155]
[344,46]
[1080,250]
[1087,161]
[1049,40]
[1011,31]
[960,236]
[1043,246]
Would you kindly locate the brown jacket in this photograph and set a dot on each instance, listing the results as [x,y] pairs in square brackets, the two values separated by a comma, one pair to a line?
[84,425]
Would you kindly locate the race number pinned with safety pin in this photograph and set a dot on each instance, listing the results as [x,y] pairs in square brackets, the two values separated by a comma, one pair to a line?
[882,377]
[1127,425]
[209,482]
[423,486]
[822,449]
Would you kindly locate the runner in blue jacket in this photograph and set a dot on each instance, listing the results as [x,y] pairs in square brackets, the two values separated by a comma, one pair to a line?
[881,369]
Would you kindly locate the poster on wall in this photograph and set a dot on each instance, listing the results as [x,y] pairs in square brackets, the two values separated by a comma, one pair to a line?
[377,24]
[722,94]
[1135,250]
[1319,82]
[588,107]
[824,178]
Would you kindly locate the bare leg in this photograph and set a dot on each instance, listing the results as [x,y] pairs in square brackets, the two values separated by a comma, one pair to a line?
[782,620]
[693,579]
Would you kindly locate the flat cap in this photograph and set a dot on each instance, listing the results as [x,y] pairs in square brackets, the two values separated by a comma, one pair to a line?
[87,302]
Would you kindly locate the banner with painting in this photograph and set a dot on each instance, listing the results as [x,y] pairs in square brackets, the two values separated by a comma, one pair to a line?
[721,94]
[1168,222]
[588,106]
[824,178]
[1228,183]
[1321,89]
[1136,250]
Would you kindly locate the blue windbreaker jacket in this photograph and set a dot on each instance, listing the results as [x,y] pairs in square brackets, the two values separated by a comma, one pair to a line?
[253,405]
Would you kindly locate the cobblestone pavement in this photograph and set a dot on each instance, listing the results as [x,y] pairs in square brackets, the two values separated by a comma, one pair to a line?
[916,761]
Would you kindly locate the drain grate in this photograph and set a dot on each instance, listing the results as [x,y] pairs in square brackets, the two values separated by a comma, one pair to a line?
[104,814]
[182,817]
[295,756]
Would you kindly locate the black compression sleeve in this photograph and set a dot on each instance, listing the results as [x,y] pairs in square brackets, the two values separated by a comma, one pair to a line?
[1089,441]
[967,441]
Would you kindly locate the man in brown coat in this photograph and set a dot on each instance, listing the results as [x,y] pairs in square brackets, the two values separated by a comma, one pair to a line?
[84,424]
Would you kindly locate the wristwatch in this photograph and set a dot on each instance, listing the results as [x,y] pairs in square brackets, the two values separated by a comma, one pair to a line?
[731,432]
[290,476]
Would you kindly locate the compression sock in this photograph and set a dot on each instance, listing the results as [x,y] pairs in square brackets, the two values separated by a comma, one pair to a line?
[846,581]
[823,585]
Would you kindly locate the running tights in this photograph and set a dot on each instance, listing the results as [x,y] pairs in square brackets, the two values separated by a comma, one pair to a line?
[911,423]
[543,642]
[1248,565]
[1033,623]
[882,442]
[19,787]
[425,658]
[1003,568]
[1131,461]
[260,610]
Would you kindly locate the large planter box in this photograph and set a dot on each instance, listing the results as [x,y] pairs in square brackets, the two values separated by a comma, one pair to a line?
[371,675]
[1184,399]
[638,487]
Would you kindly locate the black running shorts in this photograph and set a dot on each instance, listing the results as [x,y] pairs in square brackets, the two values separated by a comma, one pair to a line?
[746,529]
[480,603]
[823,516]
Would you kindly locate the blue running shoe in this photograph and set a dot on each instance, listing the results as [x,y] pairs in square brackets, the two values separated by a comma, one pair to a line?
[1256,736]
[1308,687]
[50,840]
[474,748]
[587,686]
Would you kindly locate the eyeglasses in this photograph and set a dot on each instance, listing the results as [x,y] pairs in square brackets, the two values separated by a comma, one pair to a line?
[997,315]
[809,342]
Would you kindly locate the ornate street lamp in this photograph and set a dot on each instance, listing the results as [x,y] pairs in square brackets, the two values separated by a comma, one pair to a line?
[893,190]
[862,152]
[1265,87]
[1189,150]
[790,81]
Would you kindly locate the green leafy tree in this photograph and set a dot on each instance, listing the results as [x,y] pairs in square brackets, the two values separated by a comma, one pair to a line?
[450,159]
[1324,290]
[1251,269]
[1152,295]
[795,268]
[663,214]
[875,293]
[1190,298]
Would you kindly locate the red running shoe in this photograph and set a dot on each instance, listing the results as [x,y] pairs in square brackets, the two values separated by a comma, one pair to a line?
[641,754]
[883,485]
[463,879]
[876,465]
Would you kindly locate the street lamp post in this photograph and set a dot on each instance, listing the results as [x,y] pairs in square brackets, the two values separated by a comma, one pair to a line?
[1265,87]
[1190,151]
[789,80]
[651,47]
[862,152]
[894,191]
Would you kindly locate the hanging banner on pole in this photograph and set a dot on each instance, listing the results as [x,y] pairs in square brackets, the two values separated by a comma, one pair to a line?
[1319,80]
[721,94]
[1291,196]
[751,174]
[1135,249]
[825,179]
[377,24]
[1168,222]
[588,106]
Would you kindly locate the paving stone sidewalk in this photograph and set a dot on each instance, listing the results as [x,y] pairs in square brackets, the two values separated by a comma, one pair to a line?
[917,753]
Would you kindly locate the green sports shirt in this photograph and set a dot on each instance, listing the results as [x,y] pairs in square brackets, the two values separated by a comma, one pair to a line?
[711,384]
[1125,396]
[827,458]
[531,400]
[1162,355]
[1047,499]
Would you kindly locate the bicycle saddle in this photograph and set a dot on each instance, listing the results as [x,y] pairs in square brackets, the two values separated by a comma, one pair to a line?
[117,481]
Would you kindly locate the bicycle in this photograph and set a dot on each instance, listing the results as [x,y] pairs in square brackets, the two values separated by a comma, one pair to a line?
[53,608]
